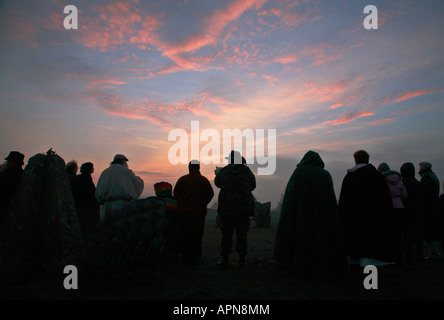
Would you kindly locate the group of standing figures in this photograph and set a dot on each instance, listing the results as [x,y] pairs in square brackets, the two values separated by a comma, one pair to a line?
[51,216]
[382,217]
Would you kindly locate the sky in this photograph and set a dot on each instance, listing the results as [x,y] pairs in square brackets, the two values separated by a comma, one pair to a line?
[135,70]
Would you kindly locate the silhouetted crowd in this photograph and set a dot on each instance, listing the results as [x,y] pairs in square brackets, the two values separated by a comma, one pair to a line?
[51,217]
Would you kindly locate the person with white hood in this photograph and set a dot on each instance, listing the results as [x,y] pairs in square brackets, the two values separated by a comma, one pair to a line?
[117,187]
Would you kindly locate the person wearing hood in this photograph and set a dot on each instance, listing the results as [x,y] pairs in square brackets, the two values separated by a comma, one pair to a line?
[117,186]
[399,195]
[432,226]
[365,204]
[309,239]
[413,246]
[396,186]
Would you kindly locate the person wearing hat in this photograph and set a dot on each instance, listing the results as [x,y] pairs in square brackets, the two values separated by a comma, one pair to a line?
[10,179]
[432,224]
[117,186]
[235,205]
[193,193]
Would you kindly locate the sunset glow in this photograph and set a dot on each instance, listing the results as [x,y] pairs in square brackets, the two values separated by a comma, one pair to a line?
[135,70]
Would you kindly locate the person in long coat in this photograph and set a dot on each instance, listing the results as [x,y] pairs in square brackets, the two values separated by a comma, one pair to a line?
[365,204]
[432,222]
[309,239]
[193,193]
[413,246]
[117,187]
[87,207]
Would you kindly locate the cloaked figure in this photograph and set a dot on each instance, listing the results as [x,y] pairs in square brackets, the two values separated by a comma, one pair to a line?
[87,207]
[413,246]
[10,179]
[309,239]
[365,204]
[117,187]
[432,222]
[235,205]
[193,193]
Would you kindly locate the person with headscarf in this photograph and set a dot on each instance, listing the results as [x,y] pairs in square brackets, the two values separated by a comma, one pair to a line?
[396,186]
[309,239]
[399,195]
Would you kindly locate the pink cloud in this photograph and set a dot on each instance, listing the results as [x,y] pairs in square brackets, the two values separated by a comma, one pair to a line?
[413,94]
[271,80]
[289,58]
[107,81]
[115,24]
[325,92]
[335,106]
[349,118]
[382,121]
[146,109]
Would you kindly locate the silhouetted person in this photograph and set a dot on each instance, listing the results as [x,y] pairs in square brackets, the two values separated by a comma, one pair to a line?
[440,211]
[10,179]
[71,169]
[309,239]
[117,186]
[193,193]
[365,205]
[430,191]
[235,205]
[413,247]
[164,192]
[399,195]
[87,207]
[396,186]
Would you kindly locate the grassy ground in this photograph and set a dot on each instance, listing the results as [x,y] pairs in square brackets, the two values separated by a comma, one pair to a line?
[259,279]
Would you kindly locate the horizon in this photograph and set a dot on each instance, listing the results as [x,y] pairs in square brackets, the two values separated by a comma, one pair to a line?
[134,71]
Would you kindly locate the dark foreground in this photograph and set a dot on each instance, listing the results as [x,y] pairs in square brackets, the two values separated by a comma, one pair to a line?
[259,279]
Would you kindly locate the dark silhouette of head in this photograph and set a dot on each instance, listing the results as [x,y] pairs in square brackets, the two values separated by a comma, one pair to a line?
[407,170]
[15,159]
[120,159]
[361,156]
[87,168]
[163,189]
[383,167]
[72,167]
[235,157]
[424,167]
[194,166]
